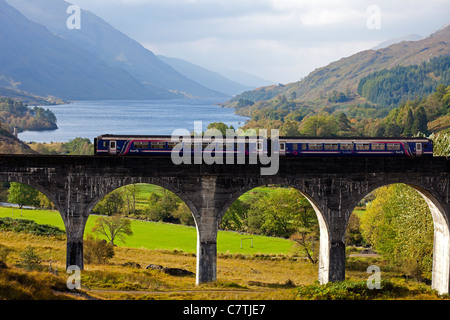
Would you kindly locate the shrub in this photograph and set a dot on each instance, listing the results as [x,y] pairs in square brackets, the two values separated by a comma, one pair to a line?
[97,250]
[349,290]
[29,259]
[29,226]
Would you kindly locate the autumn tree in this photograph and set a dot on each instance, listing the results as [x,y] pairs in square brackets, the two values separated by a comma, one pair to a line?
[399,225]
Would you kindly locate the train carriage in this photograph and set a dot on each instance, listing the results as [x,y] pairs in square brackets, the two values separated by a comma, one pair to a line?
[367,147]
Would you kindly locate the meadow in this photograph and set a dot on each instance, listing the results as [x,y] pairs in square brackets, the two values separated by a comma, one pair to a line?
[268,271]
[156,235]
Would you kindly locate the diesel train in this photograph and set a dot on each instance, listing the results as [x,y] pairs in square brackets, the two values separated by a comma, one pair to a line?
[137,145]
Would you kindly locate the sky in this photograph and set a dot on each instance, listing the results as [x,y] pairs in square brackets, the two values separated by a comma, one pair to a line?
[278,40]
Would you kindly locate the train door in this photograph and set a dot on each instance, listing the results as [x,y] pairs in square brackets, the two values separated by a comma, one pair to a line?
[282,148]
[419,150]
[112,148]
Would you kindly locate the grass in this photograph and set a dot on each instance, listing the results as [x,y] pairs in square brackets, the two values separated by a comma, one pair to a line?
[265,272]
[239,278]
[154,235]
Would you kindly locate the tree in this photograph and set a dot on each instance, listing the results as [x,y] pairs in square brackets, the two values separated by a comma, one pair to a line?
[45,202]
[290,129]
[163,206]
[29,259]
[322,125]
[420,124]
[343,122]
[111,204]
[79,146]
[184,215]
[281,212]
[235,216]
[130,197]
[408,127]
[222,127]
[441,144]
[392,130]
[398,224]
[353,232]
[113,228]
[23,195]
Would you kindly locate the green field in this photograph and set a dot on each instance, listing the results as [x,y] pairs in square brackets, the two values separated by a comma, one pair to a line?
[154,235]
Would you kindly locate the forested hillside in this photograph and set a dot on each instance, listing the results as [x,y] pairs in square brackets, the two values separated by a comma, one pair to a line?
[343,76]
[389,87]
[426,115]
[16,114]
[398,90]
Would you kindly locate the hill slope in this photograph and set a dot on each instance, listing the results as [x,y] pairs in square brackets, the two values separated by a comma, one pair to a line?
[344,75]
[111,46]
[36,61]
[205,77]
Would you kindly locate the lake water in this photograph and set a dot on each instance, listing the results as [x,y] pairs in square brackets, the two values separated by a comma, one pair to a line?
[89,119]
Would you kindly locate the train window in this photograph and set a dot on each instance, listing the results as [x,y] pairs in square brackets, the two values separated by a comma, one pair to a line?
[105,144]
[158,145]
[260,146]
[171,145]
[295,146]
[282,146]
[346,146]
[331,146]
[304,146]
[315,146]
[362,146]
[250,146]
[141,145]
[378,146]
[204,145]
[393,146]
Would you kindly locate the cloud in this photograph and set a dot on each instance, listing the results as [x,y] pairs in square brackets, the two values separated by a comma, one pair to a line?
[281,40]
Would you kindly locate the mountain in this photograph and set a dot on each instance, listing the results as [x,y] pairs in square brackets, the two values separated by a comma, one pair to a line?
[112,47]
[245,78]
[34,60]
[207,78]
[344,75]
[408,37]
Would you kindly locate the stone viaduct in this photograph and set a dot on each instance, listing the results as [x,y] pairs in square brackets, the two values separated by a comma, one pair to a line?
[334,186]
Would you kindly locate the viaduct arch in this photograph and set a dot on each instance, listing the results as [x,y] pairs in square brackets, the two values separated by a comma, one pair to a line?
[333,186]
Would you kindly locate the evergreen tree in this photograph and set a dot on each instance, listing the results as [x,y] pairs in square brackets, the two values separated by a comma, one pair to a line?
[407,131]
[420,124]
